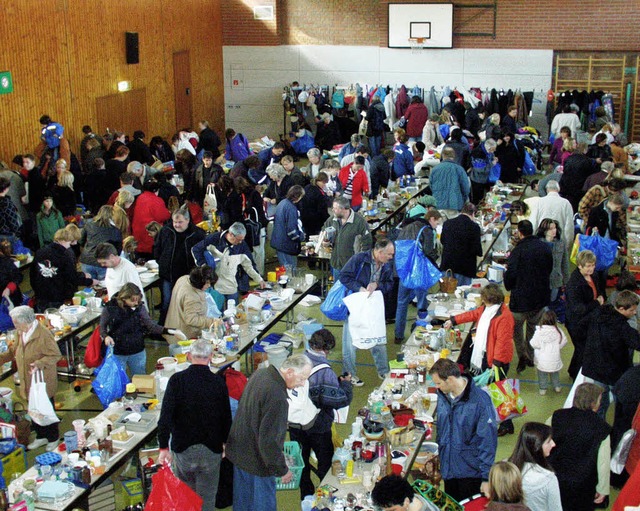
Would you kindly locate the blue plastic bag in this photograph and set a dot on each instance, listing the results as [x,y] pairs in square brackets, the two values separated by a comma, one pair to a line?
[414,268]
[6,323]
[494,173]
[528,168]
[605,250]
[333,307]
[112,379]
[303,144]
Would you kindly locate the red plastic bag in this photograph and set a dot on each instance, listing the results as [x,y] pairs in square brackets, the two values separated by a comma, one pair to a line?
[168,493]
[93,353]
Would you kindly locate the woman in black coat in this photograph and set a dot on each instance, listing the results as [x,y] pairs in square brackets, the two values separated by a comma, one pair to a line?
[314,206]
[229,202]
[583,297]
[511,159]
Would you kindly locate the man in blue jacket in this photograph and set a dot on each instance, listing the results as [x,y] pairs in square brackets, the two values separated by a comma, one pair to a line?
[367,271]
[467,435]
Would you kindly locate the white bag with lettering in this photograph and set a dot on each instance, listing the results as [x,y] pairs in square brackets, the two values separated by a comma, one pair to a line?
[366,319]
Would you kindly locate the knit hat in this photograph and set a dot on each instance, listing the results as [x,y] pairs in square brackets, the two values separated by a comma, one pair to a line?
[417,211]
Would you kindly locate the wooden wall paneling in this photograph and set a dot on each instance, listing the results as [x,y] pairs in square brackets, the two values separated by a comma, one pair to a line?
[182,89]
[134,112]
[64,54]
[109,113]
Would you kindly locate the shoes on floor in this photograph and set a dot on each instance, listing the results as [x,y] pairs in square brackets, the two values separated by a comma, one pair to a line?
[558,389]
[38,442]
[51,446]
[523,364]
[505,431]
[398,340]
[382,376]
[356,382]
[543,392]
[603,505]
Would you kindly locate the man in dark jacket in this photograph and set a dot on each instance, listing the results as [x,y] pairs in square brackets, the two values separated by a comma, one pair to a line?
[425,227]
[375,124]
[467,433]
[138,150]
[461,245]
[270,155]
[609,339]
[380,170]
[172,250]
[208,140]
[207,172]
[256,441]
[196,416]
[577,168]
[527,277]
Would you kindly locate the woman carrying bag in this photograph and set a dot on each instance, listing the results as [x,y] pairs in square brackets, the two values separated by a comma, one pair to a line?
[35,350]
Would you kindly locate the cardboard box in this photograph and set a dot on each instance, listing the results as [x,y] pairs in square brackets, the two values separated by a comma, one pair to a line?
[145,383]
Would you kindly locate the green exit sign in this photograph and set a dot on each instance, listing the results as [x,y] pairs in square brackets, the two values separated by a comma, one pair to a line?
[6,82]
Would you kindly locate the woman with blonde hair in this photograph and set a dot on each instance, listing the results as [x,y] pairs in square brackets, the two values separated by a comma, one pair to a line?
[123,211]
[100,229]
[505,488]
[63,194]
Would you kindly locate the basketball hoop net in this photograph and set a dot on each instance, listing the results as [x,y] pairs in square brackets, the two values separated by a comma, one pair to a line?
[417,44]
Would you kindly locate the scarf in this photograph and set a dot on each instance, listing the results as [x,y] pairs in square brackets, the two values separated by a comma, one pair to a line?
[482,333]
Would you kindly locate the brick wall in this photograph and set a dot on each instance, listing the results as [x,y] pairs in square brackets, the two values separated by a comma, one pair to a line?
[540,24]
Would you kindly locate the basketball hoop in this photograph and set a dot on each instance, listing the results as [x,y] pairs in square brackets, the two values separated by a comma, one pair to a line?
[417,44]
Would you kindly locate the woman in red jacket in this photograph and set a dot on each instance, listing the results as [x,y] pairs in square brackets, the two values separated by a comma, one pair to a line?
[149,208]
[416,117]
[354,182]
[493,342]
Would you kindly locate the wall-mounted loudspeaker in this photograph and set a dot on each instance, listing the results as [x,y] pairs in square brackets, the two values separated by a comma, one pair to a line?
[131,45]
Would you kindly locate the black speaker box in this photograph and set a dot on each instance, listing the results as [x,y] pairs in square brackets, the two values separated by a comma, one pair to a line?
[131,45]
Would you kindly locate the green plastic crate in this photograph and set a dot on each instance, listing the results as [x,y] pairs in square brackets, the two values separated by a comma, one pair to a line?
[132,492]
[292,449]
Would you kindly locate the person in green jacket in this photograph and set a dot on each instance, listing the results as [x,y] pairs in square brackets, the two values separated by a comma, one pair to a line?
[48,220]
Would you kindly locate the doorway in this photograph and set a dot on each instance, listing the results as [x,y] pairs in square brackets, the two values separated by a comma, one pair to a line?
[182,89]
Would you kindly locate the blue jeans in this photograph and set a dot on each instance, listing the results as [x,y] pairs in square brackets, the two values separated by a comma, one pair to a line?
[374,145]
[379,354]
[287,259]
[405,295]
[543,379]
[336,274]
[96,272]
[462,279]
[137,363]
[165,292]
[253,493]
[199,467]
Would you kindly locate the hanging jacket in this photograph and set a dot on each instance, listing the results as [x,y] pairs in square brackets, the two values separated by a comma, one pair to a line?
[402,102]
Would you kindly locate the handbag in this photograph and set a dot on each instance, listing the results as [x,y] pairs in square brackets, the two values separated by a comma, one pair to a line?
[620,455]
[505,396]
[448,283]
[415,269]
[169,492]
[22,424]
[93,354]
[210,201]
[333,306]
[252,226]
[494,173]
[40,407]
[366,319]
[112,379]
[362,129]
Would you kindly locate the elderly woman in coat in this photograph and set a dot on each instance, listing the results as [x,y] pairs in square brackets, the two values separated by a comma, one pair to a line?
[35,349]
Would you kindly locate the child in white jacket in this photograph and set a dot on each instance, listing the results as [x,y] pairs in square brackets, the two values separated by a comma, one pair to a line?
[547,343]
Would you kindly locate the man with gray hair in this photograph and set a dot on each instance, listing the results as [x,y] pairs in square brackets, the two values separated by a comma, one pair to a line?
[172,249]
[227,253]
[141,173]
[256,441]
[195,421]
[556,208]
[347,232]
[606,168]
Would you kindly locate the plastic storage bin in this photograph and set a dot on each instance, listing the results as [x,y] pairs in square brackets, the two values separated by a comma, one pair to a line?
[292,449]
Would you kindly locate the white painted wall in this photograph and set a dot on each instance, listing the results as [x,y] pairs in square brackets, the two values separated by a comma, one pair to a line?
[254,105]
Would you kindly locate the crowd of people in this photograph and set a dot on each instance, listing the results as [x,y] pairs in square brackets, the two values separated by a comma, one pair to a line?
[123,202]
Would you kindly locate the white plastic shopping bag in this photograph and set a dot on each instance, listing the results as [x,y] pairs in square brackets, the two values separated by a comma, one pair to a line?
[366,319]
[40,408]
